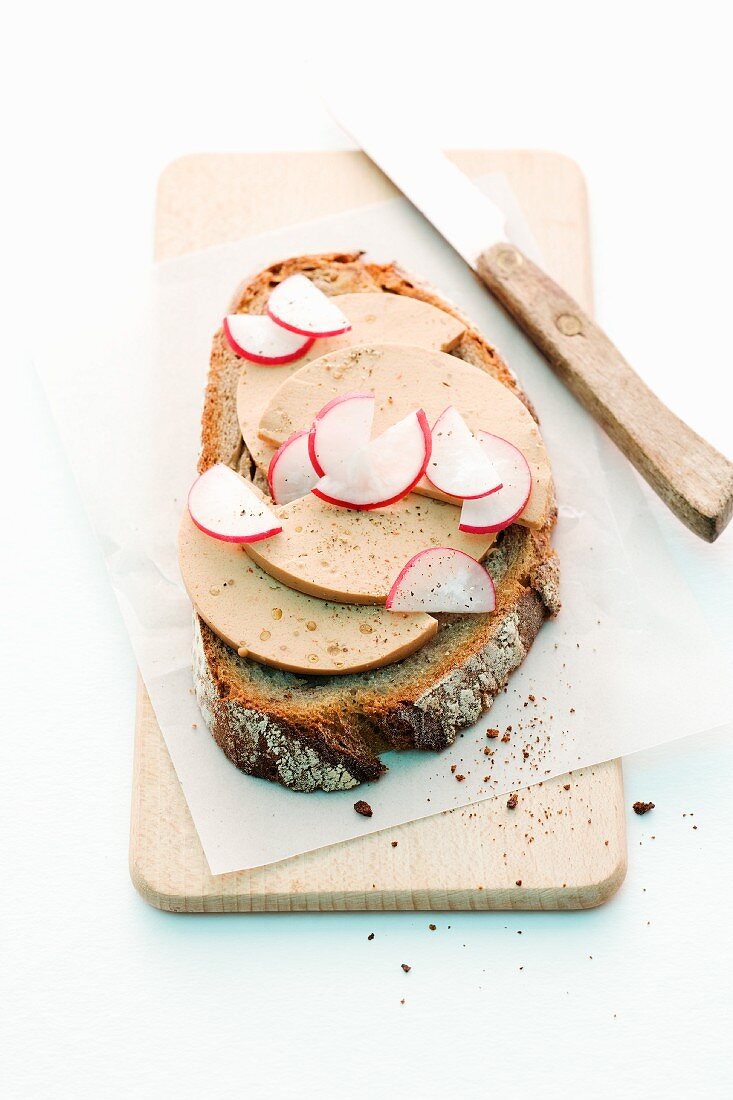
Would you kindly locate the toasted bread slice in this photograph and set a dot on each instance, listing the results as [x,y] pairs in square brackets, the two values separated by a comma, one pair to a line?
[326,733]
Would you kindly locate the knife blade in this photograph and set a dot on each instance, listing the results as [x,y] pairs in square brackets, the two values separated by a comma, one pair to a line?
[693,479]
[467,218]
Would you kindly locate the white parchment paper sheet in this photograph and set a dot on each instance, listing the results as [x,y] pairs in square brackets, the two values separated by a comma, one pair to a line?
[630,662]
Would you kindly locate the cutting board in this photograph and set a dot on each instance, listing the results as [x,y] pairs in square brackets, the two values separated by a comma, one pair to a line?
[559,849]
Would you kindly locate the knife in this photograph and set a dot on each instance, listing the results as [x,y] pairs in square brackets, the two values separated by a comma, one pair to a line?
[693,479]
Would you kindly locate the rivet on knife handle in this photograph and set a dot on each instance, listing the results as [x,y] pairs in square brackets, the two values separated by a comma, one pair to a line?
[690,476]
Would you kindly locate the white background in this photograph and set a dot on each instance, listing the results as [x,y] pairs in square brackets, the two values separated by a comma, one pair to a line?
[105,996]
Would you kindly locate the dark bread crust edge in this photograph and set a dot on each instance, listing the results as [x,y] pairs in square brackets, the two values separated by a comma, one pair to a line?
[327,735]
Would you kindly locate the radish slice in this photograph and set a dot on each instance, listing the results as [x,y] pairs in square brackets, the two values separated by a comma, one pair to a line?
[299,306]
[442,580]
[458,464]
[342,427]
[382,472]
[291,474]
[257,338]
[494,513]
[222,504]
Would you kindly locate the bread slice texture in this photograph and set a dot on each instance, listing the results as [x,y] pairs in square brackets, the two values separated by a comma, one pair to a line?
[327,733]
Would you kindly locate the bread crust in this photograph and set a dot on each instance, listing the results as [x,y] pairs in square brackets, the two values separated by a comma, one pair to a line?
[326,733]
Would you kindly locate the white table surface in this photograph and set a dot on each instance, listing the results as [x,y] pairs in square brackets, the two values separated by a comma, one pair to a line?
[105,996]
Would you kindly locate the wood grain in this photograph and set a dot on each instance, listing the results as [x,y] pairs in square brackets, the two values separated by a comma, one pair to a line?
[693,479]
[465,859]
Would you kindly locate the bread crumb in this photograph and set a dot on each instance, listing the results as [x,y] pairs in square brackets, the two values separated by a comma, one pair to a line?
[643,807]
[363,808]
[512,800]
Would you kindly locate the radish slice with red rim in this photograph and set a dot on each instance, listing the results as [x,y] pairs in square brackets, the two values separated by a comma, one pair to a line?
[256,337]
[290,474]
[442,579]
[342,427]
[495,512]
[459,466]
[382,472]
[222,504]
[299,306]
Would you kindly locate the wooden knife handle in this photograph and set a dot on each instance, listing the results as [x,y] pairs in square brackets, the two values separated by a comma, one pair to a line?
[690,476]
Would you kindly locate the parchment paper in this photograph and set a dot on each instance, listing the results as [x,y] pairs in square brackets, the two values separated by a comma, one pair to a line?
[630,662]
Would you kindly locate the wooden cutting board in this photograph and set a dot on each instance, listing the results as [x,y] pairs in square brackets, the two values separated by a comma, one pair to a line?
[478,858]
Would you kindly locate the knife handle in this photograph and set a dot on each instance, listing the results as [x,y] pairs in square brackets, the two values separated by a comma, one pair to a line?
[693,479]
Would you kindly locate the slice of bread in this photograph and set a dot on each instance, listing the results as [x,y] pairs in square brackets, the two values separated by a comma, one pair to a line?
[326,733]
